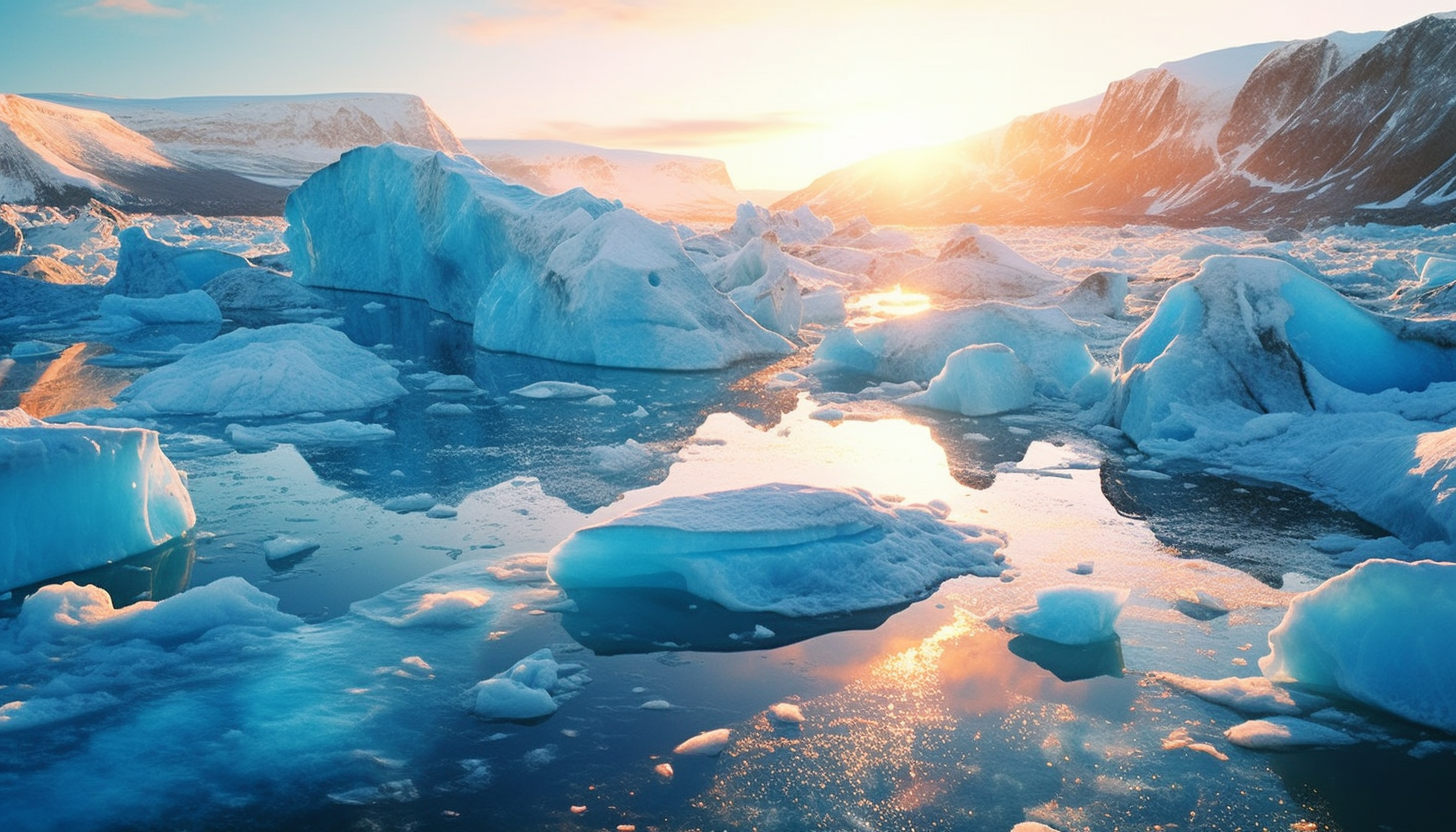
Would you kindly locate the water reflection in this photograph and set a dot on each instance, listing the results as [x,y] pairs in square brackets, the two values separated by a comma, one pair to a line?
[617,621]
[71,382]
[1070,662]
[153,575]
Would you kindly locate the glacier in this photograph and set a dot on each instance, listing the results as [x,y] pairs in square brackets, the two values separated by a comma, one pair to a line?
[570,277]
[77,496]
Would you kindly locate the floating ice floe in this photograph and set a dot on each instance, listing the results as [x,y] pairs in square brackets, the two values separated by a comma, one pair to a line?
[74,497]
[556,390]
[791,549]
[979,381]
[1284,733]
[530,689]
[336,432]
[706,744]
[1378,634]
[568,277]
[192,307]
[1072,614]
[275,371]
[255,289]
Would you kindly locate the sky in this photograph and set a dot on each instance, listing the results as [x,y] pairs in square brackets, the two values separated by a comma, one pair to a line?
[781,90]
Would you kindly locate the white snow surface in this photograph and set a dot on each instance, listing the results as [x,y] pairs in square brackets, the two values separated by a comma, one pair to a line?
[570,277]
[61,146]
[274,371]
[1378,634]
[73,497]
[789,549]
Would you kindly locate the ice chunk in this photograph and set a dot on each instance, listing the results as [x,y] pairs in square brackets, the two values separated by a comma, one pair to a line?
[1285,733]
[790,549]
[59,611]
[252,289]
[656,705]
[337,432]
[800,225]
[569,277]
[775,302]
[1243,331]
[1253,696]
[979,381]
[556,390]
[915,348]
[530,689]
[1100,293]
[410,503]
[74,497]
[285,546]
[786,712]
[1378,634]
[147,268]
[977,266]
[706,744]
[1071,614]
[448,409]
[191,307]
[274,371]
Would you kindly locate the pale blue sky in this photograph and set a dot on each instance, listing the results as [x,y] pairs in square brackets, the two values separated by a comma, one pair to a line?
[783,90]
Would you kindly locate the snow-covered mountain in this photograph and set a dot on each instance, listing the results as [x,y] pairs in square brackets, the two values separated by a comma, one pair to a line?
[277,140]
[659,185]
[225,155]
[1345,127]
[59,155]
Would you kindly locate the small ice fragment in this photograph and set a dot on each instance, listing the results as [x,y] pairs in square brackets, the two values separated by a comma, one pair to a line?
[828,414]
[600,401]
[286,547]
[448,409]
[761,632]
[787,713]
[578,810]
[664,770]
[1082,568]
[639,413]
[410,503]
[656,705]
[374,306]
[706,744]
[441,512]
[452,384]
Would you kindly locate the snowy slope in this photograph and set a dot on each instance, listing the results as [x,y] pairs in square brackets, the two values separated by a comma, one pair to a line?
[276,140]
[48,151]
[659,185]
[1346,127]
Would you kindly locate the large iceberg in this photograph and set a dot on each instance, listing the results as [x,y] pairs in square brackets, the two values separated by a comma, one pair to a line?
[274,371]
[975,265]
[568,277]
[791,549]
[73,497]
[1379,634]
[1251,332]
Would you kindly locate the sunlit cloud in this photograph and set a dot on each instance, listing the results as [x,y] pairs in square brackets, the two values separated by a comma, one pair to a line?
[519,18]
[671,133]
[144,8]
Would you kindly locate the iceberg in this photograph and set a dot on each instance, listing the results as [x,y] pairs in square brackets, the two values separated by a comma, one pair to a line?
[979,381]
[147,268]
[977,266]
[799,226]
[569,277]
[1252,332]
[274,371]
[191,307]
[1378,634]
[791,549]
[915,347]
[1070,614]
[73,497]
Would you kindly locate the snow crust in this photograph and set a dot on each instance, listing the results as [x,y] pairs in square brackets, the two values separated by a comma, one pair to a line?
[570,277]
[1343,638]
[274,371]
[73,497]
[794,550]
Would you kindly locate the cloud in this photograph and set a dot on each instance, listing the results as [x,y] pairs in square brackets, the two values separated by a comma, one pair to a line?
[526,17]
[681,133]
[144,8]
